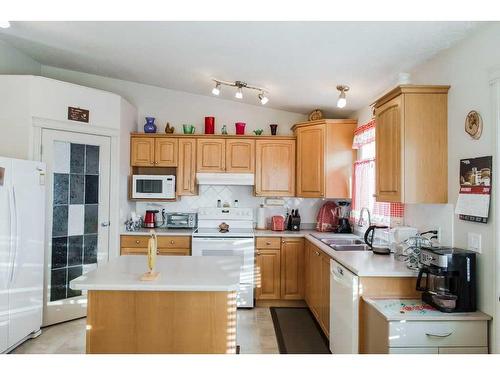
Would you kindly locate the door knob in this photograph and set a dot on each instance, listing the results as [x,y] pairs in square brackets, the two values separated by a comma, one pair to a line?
[105,224]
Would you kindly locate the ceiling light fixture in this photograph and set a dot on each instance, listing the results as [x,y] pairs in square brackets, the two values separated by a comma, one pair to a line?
[4,24]
[216,89]
[239,93]
[263,98]
[240,85]
[342,101]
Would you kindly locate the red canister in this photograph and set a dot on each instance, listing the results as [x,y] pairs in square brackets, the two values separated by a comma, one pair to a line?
[209,125]
[240,128]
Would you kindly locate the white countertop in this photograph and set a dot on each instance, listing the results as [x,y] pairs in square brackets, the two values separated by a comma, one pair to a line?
[177,273]
[159,232]
[286,233]
[398,309]
[364,263]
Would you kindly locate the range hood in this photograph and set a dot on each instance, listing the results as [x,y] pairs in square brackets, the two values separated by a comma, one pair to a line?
[225,179]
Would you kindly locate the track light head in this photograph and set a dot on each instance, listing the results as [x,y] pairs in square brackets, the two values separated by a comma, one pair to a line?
[263,98]
[216,89]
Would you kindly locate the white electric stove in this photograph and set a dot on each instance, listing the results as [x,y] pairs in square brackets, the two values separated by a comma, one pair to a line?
[238,241]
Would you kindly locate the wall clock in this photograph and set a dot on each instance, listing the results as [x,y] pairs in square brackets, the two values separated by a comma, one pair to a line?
[474,124]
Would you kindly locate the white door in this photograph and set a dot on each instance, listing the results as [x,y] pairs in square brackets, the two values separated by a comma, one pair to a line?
[77,230]
[6,217]
[27,252]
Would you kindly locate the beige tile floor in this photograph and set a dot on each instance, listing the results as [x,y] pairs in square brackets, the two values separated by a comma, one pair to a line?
[255,335]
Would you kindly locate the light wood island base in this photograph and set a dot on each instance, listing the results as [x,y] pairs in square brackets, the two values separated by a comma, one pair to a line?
[173,322]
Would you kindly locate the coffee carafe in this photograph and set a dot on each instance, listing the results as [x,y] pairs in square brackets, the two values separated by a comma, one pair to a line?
[447,278]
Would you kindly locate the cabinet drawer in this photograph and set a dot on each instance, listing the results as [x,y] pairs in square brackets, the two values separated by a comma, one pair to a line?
[438,334]
[133,251]
[134,241]
[268,242]
[163,251]
[174,242]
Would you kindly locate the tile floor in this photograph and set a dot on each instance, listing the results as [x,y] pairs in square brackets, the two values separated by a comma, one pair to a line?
[255,336]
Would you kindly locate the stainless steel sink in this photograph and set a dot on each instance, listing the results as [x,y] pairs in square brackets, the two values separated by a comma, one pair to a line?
[345,244]
[342,241]
[357,247]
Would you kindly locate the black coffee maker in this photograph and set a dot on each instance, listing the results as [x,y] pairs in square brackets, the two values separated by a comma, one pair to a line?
[450,279]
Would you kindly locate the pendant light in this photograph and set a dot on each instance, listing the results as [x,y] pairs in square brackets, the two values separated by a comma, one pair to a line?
[342,101]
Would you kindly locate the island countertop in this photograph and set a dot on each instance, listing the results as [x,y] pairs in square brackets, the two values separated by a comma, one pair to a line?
[177,273]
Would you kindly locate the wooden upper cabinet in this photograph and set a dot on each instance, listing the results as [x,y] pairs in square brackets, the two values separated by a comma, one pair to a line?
[186,170]
[275,168]
[166,152]
[292,268]
[412,145]
[388,151]
[142,152]
[240,155]
[211,155]
[325,158]
[311,161]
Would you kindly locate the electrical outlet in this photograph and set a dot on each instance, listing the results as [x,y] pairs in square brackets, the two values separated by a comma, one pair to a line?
[474,242]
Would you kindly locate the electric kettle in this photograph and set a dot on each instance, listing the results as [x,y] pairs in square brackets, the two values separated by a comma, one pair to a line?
[376,243]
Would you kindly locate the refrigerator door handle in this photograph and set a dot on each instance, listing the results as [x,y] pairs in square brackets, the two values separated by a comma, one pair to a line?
[16,236]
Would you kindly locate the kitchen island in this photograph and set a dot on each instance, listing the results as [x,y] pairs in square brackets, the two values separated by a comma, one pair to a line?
[190,308]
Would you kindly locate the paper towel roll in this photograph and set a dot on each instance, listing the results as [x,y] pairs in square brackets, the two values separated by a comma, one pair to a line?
[261,217]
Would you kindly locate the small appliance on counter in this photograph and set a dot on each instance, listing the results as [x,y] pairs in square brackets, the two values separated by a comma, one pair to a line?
[450,279]
[150,219]
[278,223]
[153,186]
[327,219]
[180,220]
[376,241]
[343,214]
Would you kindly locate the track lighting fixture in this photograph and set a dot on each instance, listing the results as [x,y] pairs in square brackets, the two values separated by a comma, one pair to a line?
[216,89]
[240,85]
[342,101]
[263,98]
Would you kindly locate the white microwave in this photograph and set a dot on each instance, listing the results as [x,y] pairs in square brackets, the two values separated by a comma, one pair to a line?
[153,187]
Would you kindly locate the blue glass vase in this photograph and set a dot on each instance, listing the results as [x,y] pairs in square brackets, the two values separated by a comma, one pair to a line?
[150,126]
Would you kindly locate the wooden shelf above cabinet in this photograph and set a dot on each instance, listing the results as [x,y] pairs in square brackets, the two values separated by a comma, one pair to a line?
[218,136]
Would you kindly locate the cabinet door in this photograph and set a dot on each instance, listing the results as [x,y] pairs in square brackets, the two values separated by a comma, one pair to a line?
[307,272]
[324,309]
[240,155]
[315,267]
[311,161]
[166,152]
[186,170]
[142,152]
[292,268]
[267,274]
[211,155]
[388,150]
[275,168]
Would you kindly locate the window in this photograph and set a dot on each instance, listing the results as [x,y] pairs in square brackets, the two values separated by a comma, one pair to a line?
[382,213]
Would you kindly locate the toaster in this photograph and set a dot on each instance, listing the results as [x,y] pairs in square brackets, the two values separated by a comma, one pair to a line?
[278,223]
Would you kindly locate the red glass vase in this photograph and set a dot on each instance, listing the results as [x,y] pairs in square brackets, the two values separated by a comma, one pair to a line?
[240,128]
[209,125]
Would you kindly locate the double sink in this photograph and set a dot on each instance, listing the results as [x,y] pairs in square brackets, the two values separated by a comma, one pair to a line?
[345,244]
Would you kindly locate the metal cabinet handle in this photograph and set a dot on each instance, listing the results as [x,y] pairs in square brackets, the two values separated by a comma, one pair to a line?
[268,243]
[156,162]
[258,252]
[152,162]
[438,334]
[172,242]
[317,253]
[137,242]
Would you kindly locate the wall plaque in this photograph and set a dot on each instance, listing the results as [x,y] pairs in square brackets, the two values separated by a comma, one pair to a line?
[78,114]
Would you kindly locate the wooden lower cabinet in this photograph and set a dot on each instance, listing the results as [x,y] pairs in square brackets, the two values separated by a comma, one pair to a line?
[267,274]
[167,245]
[317,285]
[292,268]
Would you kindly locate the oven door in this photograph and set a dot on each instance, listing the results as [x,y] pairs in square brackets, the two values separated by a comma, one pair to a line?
[243,249]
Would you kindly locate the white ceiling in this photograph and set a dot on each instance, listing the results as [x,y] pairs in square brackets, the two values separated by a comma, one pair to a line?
[299,62]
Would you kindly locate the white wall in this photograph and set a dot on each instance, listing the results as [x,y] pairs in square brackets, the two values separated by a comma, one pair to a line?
[179,107]
[13,61]
[466,67]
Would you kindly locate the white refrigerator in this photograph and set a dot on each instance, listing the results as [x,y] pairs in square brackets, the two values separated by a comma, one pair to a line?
[22,219]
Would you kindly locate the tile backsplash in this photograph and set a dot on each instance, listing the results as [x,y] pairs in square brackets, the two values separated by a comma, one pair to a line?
[209,194]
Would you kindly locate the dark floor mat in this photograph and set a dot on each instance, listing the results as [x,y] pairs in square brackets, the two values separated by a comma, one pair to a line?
[298,332]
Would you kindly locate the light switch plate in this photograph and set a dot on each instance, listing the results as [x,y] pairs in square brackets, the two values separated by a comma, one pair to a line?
[474,242]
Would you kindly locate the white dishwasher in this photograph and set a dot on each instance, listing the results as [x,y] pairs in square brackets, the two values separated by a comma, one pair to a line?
[344,312]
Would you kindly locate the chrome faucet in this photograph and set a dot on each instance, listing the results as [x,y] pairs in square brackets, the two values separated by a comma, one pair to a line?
[360,220]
